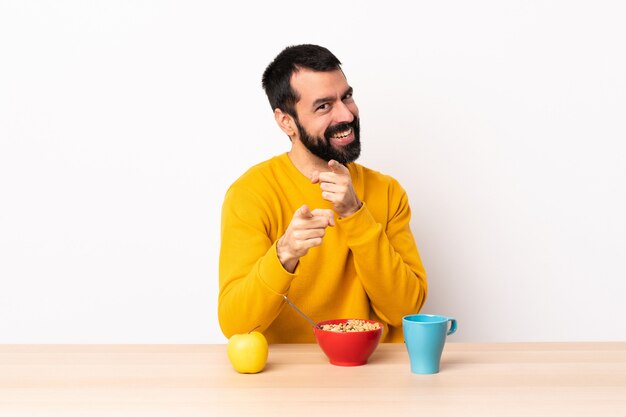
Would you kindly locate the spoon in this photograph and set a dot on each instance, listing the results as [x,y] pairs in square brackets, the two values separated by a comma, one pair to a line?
[301,313]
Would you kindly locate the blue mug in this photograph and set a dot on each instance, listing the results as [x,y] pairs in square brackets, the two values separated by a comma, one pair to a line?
[424,336]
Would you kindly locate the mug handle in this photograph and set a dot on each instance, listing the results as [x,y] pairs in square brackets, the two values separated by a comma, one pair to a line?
[452,326]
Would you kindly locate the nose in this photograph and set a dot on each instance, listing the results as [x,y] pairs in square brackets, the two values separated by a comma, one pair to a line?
[343,113]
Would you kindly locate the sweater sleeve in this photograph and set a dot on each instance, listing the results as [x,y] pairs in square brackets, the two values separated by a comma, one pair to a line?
[251,277]
[386,258]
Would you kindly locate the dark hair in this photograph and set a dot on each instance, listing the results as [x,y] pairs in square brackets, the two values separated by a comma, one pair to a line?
[277,76]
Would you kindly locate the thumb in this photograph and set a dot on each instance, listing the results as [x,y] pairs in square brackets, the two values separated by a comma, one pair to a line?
[315,177]
[328,214]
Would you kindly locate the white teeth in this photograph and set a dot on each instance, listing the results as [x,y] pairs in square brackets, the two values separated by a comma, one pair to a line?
[342,135]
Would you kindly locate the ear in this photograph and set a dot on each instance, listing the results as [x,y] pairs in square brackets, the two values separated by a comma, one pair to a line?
[285,122]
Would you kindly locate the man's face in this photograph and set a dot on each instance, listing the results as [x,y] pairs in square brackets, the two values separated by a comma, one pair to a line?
[328,123]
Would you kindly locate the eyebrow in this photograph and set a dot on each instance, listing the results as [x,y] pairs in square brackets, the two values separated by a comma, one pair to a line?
[323,100]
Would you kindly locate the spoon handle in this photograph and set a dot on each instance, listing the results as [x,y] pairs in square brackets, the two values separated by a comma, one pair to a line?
[300,312]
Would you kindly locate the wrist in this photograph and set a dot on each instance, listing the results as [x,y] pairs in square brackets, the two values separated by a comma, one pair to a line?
[351,212]
[286,259]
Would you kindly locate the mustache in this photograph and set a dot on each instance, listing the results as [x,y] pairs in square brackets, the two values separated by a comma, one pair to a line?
[340,127]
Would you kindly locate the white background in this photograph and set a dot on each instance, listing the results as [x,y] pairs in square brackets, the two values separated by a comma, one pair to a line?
[122,123]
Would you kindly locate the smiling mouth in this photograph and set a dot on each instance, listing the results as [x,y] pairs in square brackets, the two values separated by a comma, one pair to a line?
[343,135]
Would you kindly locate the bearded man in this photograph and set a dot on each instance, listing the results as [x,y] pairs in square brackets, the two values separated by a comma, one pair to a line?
[331,234]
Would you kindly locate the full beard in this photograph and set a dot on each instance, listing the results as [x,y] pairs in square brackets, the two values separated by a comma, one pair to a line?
[322,148]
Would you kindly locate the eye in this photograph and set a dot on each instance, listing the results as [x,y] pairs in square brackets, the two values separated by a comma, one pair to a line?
[347,97]
[324,106]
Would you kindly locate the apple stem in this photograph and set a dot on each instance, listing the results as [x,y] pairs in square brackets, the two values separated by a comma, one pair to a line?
[254,329]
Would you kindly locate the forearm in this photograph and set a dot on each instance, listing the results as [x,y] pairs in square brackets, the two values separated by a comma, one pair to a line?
[251,300]
[387,263]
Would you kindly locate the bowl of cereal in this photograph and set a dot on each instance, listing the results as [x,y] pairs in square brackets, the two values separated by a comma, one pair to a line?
[348,342]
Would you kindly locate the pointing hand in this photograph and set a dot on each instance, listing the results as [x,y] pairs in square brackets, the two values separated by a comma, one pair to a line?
[336,186]
[305,231]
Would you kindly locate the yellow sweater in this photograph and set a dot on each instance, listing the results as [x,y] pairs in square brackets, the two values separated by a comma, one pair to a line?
[368,265]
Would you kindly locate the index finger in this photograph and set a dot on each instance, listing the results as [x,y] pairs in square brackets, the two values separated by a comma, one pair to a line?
[337,168]
[304,212]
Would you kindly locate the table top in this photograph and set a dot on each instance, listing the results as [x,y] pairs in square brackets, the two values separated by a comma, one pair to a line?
[501,379]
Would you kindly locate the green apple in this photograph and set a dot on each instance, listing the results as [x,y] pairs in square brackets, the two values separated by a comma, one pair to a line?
[247,352]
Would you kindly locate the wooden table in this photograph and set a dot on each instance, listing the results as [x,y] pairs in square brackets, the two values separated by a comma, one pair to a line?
[525,379]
